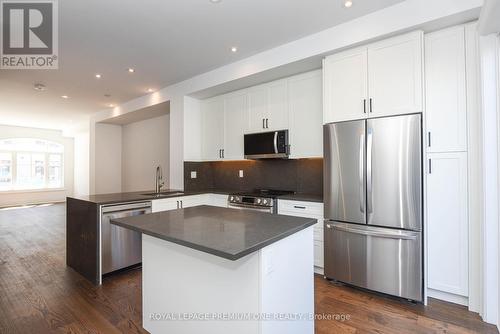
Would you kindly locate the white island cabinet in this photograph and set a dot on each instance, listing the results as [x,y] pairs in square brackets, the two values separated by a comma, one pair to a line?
[215,270]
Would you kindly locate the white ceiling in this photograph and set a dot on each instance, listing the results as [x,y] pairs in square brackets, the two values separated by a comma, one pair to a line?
[166,41]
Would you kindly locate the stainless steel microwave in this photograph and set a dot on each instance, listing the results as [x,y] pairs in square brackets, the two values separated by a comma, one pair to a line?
[267,145]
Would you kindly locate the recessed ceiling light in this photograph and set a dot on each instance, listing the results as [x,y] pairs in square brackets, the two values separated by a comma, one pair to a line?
[215,1]
[234,49]
[130,70]
[65,96]
[150,90]
[98,76]
[348,3]
[111,105]
[39,87]
[107,95]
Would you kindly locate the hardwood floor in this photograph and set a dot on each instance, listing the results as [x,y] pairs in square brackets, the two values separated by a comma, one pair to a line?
[39,294]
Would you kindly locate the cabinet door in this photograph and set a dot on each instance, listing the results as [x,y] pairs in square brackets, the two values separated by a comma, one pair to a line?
[190,201]
[235,107]
[212,128]
[165,204]
[277,106]
[345,86]
[217,200]
[257,109]
[446,90]
[395,75]
[447,219]
[305,107]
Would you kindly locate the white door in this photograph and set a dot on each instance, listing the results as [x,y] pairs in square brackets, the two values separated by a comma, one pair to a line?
[447,221]
[190,201]
[165,204]
[277,106]
[446,90]
[395,75]
[257,109]
[306,115]
[235,108]
[345,86]
[212,128]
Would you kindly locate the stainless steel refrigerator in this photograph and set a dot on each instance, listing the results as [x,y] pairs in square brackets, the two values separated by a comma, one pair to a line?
[373,204]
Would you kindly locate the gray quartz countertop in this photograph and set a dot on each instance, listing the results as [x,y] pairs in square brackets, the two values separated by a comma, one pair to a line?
[228,233]
[114,198]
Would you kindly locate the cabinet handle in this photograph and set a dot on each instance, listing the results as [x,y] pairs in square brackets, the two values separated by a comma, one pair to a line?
[429,138]
[182,205]
[299,207]
[364,106]
[177,204]
[263,123]
[223,153]
[267,123]
[371,105]
[430,166]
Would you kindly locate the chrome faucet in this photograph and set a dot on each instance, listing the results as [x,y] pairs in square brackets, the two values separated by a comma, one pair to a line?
[159,180]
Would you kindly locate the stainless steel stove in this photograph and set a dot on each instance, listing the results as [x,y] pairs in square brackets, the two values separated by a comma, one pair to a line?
[264,200]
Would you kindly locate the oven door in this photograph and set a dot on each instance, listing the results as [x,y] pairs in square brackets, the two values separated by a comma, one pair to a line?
[250,207]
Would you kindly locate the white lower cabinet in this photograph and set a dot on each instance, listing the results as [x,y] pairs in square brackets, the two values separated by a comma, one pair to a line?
[173,203]
[308,210]
[447,223]
[217,200]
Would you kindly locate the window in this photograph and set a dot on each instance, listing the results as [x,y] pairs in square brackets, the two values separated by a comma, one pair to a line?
[27,163]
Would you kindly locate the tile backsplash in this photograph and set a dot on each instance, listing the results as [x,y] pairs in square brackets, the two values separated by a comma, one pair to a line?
[301,175]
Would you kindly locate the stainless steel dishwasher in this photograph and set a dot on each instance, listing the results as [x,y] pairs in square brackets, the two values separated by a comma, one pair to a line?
[120,247]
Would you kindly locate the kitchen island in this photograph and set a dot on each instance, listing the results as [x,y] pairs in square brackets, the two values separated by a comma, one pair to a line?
[218,270]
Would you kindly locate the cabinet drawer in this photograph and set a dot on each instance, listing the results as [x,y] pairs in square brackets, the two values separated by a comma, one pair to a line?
[300,209]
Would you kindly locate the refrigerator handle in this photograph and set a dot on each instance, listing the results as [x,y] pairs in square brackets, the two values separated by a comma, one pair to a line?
[396,234]
[361,173]
[369,144]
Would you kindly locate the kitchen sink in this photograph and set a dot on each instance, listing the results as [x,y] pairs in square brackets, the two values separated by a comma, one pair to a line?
[164,194]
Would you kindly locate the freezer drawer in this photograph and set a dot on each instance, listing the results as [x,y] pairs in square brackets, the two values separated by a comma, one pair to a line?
[379,259]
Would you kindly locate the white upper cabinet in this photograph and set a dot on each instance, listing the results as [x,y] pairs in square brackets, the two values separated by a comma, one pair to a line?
[395,75]
[212,115]
[267,107]
[257,109]
[305,107]
[446,90]
[447,222]
[235,108]
[277,110]
[381,79]
[345,86]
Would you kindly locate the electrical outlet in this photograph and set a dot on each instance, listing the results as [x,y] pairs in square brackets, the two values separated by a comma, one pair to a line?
[193,174]
[241,173]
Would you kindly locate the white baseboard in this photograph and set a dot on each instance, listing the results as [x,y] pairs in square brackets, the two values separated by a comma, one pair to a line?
[318,270]
[448,297]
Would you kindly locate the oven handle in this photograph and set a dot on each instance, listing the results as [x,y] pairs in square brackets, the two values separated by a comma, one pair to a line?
[276,142]
[247,207]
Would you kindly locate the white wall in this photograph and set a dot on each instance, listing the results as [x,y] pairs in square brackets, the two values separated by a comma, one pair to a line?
[82,164]
[108,158]
[40,196]
[145,145]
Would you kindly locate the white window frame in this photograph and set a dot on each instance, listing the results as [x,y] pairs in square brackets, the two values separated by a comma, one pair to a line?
[14,187]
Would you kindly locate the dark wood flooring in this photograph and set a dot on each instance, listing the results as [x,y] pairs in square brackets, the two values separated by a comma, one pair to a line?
[39,294]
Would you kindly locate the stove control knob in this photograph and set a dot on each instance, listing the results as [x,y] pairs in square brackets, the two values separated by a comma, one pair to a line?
[231,198]
[265,202]
[259,200]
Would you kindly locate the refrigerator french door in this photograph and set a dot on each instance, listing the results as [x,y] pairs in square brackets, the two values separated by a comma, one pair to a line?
[373,204]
